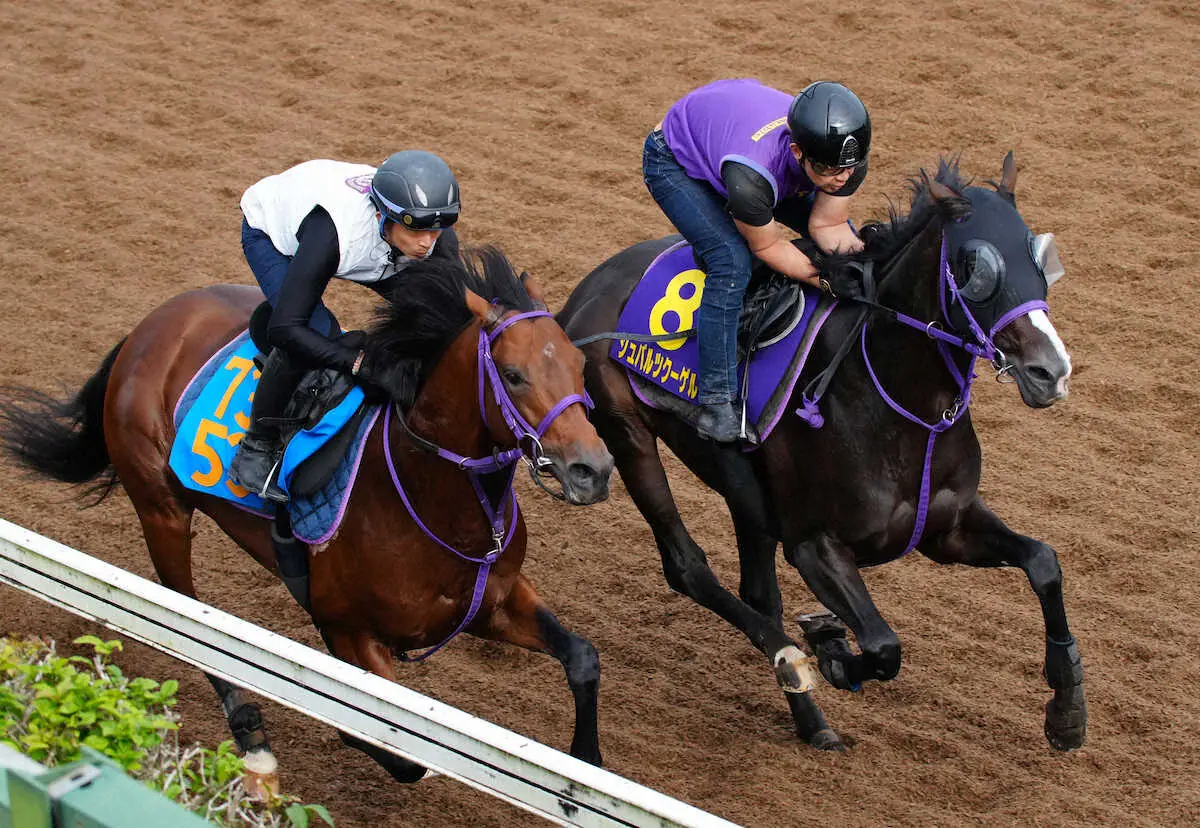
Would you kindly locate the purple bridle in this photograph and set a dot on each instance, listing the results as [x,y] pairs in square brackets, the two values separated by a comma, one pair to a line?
[475,467]
[981,346]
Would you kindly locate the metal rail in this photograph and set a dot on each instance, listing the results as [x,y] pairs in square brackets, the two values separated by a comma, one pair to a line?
[507,765]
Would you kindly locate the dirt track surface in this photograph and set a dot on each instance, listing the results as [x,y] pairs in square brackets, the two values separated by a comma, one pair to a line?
[128,132]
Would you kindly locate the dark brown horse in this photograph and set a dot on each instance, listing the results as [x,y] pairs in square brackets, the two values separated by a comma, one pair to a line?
[382,585]
[896,463]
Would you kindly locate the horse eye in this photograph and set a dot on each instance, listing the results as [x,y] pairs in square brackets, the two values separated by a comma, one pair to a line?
[981,267]
[513,377]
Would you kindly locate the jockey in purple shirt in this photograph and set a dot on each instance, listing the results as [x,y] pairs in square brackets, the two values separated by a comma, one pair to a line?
[729,164]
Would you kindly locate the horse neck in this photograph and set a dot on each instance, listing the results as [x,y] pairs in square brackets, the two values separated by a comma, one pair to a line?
[908,362]
[447,414]
[912,284]
[446,411]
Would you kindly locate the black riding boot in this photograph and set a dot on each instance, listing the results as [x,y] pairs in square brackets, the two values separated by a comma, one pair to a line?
[257,460]
[720,422]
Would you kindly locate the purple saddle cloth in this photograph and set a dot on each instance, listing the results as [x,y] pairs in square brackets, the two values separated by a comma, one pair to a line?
[665,301]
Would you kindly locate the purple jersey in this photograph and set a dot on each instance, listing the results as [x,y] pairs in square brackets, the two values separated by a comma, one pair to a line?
[735,120]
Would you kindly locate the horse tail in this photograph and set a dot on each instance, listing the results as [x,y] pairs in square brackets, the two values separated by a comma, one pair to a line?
[62,439]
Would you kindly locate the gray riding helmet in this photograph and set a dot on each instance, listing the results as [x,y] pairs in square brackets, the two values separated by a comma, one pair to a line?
[416,189]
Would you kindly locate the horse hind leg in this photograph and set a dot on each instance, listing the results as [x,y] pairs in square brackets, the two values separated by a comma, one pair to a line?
[167,529]
[363,650]
[525,620]
[760,589]
[686,569]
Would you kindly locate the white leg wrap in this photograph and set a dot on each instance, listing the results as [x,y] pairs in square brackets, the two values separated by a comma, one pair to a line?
[260,779]
[795,670]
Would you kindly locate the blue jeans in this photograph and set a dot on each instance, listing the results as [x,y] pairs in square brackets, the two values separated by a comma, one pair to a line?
[270,267]
[698,212]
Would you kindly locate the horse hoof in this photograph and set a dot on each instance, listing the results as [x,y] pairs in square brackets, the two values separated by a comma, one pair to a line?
[1065,730]
[261,777]
[827,739]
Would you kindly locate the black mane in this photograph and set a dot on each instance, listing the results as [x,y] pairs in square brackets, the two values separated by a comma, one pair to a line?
[427,310]
[885,239]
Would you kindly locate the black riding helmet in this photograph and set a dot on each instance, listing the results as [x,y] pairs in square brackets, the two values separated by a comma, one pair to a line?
[416,189]
[830,125]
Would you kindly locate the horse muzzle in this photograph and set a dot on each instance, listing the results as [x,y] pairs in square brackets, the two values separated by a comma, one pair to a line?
[1031,353]
[1041,382]
[583,474]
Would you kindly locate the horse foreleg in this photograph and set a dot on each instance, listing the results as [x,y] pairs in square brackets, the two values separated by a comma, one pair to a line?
[982,539]
[829,569]
[364,650]
[525,620]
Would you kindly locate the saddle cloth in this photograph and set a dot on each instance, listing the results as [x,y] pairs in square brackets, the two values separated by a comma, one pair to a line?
[665,301]
[211,418]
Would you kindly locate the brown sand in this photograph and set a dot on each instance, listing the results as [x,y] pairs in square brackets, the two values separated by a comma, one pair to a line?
[129,129]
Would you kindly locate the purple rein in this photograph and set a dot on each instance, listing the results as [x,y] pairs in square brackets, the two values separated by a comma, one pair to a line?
[478,466]
[982,346]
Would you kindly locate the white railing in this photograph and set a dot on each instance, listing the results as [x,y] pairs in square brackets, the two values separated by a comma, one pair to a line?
[512,767]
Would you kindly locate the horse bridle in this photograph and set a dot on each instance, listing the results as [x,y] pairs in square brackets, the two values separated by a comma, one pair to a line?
[475,467]
[538,463]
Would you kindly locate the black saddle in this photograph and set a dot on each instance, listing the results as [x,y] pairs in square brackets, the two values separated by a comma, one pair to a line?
[771,308]
[318,392]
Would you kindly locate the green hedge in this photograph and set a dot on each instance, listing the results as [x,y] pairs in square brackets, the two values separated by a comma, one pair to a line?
[50,705]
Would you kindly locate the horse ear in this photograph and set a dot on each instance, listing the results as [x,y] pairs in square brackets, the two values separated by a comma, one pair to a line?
[483,310]
[1008,177]
[949,203]
[534,288]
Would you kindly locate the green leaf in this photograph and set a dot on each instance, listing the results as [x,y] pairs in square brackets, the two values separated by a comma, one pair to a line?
[320,811]
[89,639]
[297,815]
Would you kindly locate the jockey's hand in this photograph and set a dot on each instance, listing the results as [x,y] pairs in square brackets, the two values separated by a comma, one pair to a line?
[843,281]
[373,381]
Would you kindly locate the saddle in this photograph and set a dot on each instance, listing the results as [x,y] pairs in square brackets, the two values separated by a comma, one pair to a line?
[771,309]
[318,392]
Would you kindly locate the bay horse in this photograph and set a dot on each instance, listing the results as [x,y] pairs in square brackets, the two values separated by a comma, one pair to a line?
[896,463]
[475,359]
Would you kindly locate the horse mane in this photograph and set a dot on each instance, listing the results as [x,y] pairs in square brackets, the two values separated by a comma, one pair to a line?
[885,239]
[427,310]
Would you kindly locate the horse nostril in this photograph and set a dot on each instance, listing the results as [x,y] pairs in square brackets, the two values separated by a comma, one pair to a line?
[1041,375]
[582,474]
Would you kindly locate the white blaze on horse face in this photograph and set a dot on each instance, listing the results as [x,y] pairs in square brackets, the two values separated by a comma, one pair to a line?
[549,351]
[1042,322]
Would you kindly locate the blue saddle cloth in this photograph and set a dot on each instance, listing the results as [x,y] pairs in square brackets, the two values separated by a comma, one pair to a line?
[211,418]
[666,300]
